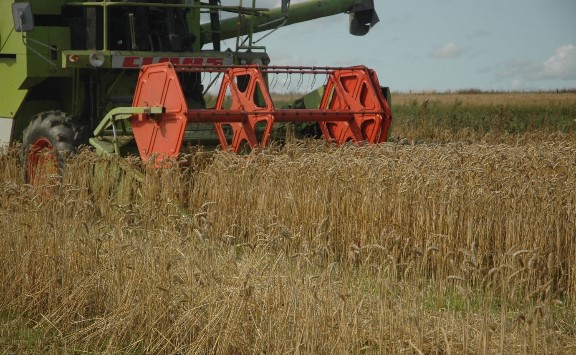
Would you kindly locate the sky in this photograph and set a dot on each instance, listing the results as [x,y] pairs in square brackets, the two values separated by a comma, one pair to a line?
[443,45]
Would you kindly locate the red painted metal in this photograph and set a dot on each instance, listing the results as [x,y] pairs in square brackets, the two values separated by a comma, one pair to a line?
[159,137]
[42,161]
[353,90]
[353,107]
[250,101]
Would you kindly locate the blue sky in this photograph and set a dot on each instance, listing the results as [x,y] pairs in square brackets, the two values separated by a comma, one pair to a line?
[443,44]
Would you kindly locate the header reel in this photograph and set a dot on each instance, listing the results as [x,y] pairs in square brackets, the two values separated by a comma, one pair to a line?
[353,108]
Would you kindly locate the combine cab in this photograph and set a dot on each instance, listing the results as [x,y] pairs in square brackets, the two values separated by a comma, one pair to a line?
[136,77]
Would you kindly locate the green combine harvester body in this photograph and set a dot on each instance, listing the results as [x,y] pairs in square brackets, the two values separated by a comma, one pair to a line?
[66,65]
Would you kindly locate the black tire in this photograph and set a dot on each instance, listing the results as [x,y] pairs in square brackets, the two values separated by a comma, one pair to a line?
[54,130]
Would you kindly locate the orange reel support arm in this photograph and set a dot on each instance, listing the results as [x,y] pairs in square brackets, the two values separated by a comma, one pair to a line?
[353,107]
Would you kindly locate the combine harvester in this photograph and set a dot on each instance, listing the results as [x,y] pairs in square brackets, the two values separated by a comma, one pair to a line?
[127,77]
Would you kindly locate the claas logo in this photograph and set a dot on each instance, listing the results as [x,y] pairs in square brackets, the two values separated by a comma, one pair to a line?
[137,62]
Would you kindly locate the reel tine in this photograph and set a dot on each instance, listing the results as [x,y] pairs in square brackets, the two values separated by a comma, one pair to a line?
[326,78]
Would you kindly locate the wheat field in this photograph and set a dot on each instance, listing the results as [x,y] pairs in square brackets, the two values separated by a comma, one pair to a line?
[430,244]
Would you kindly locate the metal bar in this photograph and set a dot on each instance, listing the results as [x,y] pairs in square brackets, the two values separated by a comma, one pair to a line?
[282,115]
[124,113]
[251,30]
[238,22]
[114,136]
[266,69]
[287,115]
[234,9]
[25,42]
[105,26]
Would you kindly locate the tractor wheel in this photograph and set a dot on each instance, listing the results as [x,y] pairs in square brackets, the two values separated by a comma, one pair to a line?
[49,138]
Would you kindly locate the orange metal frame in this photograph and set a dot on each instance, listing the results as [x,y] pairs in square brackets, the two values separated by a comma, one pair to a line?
[353,107]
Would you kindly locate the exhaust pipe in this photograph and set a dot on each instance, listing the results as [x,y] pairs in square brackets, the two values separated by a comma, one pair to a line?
[362,17]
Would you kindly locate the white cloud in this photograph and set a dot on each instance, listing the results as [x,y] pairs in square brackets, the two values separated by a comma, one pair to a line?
[518,85]
[562,65]
[449,50]
[520,68]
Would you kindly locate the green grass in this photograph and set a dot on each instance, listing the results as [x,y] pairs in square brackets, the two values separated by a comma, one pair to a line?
[439,116]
